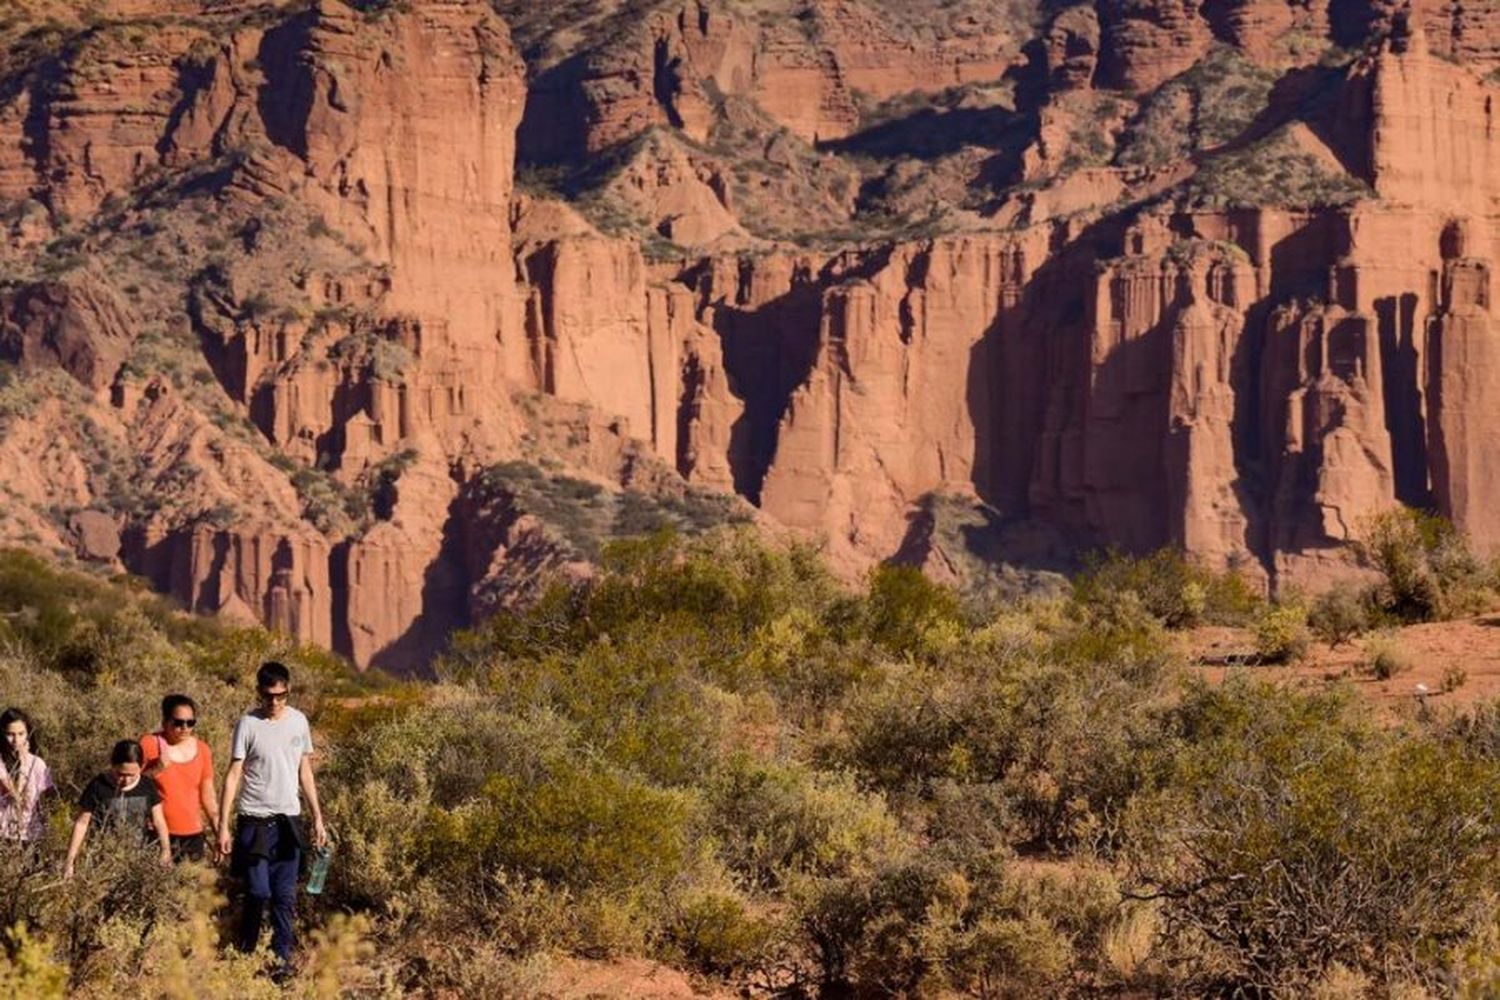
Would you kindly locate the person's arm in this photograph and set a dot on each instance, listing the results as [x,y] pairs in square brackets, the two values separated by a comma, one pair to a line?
[209,798]
[310,790]
[226,803]
[80,830]
[156,761]
[159,821]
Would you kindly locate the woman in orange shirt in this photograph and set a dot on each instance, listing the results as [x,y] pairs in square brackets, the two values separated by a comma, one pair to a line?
[183,769]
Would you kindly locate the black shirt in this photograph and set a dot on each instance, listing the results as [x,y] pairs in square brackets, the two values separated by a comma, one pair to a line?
[112,807]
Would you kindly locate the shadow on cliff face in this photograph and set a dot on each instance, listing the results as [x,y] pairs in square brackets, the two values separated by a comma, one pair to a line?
[1401,381]
[1329,100]
[554,121]
[948,127]
[933,133]
[1026,376]
[1351,22]
[765,369]
[36,128]
[445,604]
[285,99]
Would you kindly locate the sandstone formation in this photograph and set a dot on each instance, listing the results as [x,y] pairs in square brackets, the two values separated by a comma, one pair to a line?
[935,284]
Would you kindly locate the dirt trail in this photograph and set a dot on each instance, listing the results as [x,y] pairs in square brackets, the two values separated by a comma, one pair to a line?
[1470,647]
[627,979]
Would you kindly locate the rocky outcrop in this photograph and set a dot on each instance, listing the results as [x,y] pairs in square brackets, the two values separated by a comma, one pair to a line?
[96,120]
[1145,42]
[401,586]
[248,575]
[1464,387]
[79,326]
[399,156]
[807,70]
[1072,47]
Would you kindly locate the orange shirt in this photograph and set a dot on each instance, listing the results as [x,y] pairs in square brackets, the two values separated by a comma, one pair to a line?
[180,786]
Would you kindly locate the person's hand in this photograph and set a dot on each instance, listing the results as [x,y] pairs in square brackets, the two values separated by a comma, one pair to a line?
[320,834]
[166,857]
[226,843]
[67,869]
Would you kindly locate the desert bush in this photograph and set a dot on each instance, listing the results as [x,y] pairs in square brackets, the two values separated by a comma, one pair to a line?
[1295,834]
[27,968]
[1213,103]
[1172,588]
[1340,614]
[1282,634]
[1385,658]
[775,822]
[905,612]
[576,824]
[719,932]
[1062,742]
[1272,170]
[1454,677]
[716,755]
[920,925]
[1429,571]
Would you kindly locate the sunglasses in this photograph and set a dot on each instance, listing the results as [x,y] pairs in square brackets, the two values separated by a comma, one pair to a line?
[182,723]
[275,695]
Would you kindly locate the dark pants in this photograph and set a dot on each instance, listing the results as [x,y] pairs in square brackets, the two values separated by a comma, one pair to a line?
[188,847]
[268,855]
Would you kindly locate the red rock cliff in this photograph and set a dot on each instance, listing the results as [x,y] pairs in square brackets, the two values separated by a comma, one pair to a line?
[289,315]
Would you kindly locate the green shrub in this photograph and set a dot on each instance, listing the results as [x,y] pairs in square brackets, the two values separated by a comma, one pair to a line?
[719,933]
[1172,588]
[778,822]
[1213,103]
[924,925]
[904,609]
[1429,571]
[1062,741]
[1385,658]
[1340,614]
[27,968]
[1294,834]
[1282,634]
[578,825]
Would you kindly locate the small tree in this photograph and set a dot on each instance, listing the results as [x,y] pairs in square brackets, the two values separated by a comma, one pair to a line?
[1430,572]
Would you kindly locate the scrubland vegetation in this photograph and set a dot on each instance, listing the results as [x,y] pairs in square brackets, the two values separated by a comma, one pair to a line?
[718,757]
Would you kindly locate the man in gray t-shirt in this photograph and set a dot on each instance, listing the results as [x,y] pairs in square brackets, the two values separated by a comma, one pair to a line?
[272,750]
[270,760]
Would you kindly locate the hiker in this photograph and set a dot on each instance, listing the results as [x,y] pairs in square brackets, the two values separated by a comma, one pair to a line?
[124,801]
[270,757]
[183,769]
[24,778]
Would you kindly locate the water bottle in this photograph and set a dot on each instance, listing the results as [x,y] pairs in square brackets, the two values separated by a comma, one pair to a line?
[319,873]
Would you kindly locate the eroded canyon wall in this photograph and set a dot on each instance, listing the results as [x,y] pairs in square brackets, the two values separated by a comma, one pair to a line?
[1250,383]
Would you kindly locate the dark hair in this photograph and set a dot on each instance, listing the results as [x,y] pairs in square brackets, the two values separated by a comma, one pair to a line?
[127,752]
[272,672]
[6,718]
[172,702]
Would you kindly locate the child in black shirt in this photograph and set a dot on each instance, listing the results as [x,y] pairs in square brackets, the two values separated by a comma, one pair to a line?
[122,801]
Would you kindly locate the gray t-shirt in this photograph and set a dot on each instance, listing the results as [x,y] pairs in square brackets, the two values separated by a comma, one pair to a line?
[272,752]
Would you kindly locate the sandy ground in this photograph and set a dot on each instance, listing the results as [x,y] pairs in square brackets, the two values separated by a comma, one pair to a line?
[1471,645]
[626,979]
